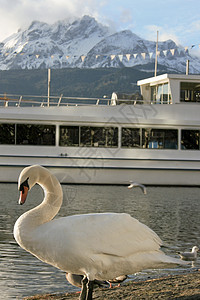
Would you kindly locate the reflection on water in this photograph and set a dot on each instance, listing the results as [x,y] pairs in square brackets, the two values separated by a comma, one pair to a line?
[174,213]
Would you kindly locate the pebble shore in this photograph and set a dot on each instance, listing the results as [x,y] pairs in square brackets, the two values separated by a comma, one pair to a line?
[183,287]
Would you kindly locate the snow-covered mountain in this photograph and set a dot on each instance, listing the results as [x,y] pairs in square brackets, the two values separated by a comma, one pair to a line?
[85,43]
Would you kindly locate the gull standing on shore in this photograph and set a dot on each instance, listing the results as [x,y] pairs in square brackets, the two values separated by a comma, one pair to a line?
[191,256]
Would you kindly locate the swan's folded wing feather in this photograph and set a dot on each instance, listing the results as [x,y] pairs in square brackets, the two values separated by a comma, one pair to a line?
[114,234]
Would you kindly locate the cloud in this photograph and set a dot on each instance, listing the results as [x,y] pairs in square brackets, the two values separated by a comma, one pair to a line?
[19,13]
[163,33]
[193,27]
[126,16]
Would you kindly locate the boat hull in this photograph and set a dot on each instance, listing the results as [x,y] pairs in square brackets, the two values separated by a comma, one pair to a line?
[107,171]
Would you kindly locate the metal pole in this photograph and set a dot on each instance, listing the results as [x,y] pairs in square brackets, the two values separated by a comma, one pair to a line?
[49,80]
[156,58]
[187,67]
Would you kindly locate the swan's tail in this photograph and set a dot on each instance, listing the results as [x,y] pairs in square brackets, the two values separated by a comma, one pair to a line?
[172,261]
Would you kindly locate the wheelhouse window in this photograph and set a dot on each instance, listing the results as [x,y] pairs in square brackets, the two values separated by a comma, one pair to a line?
[7,134]
[161,94]
[190,92]
[130,138]
[69,136]
[31,134]
[154,138]
[190,139]
[98,136]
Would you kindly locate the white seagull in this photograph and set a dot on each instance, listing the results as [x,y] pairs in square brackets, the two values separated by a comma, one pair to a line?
[98,246]
[190,256]
[136,184]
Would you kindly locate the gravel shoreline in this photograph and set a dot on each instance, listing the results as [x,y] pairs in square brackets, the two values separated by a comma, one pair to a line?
[186,286]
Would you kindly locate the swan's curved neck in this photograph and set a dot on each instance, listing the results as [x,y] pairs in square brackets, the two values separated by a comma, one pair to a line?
[42,213]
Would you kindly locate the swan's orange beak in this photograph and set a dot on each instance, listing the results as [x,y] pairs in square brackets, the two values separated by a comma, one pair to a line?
[23,195]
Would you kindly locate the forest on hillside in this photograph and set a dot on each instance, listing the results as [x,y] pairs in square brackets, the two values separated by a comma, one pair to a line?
[72,82]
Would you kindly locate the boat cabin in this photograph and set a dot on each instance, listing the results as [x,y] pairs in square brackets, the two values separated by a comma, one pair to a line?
[170,89]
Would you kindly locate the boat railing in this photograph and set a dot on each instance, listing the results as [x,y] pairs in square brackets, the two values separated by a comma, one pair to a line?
[10,100]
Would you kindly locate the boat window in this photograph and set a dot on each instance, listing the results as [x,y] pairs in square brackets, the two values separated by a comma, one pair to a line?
[87,136]
[161,94]
[7,134]
[98,136]
[31,134]
[69,136]
[151,138]
[190,139]
[154,138]
[130,137]
[190,92]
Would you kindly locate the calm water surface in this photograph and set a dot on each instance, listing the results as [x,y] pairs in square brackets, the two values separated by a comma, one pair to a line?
[174,213]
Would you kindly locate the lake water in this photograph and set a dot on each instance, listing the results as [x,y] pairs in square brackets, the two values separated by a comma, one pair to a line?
[172,212]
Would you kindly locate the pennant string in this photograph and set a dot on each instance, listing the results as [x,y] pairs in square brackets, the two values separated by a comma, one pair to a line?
[144,55]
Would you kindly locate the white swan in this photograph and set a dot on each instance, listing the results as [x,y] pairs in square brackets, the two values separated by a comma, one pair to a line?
[99,246]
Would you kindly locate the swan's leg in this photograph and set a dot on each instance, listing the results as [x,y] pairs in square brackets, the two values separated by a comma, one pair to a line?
[90,286]
[84,288]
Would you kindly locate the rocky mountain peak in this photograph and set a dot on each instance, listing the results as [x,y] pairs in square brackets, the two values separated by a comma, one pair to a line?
[85,43]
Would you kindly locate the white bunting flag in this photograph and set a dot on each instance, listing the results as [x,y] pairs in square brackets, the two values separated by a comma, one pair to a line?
[83,58]
[128,56]
[143,55]
[135,55]
[112,56]
[37,55]
[172,51]
[150,54]
[165,52]
[120,57]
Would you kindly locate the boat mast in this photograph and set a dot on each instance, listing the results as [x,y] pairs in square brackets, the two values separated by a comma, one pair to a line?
[156,58]
[49,80]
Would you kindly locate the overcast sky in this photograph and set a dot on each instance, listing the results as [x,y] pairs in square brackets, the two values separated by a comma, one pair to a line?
[175,19]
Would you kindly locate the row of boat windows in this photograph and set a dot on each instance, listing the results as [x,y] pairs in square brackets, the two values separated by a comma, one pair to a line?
[89,136]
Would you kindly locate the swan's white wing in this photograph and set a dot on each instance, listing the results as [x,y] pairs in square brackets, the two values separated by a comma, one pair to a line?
[103,246]
[88,239]
[114,234]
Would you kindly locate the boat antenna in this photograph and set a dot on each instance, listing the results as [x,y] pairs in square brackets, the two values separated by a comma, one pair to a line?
[156,58]
[187,67]
[49,80]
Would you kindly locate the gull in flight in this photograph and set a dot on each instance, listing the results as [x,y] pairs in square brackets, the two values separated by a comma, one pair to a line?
[136,184]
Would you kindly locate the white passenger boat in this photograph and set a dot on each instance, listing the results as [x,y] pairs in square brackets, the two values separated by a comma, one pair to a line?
[154,139]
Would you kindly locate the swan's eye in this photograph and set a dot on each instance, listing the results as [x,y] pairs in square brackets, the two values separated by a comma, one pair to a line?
[25,183]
